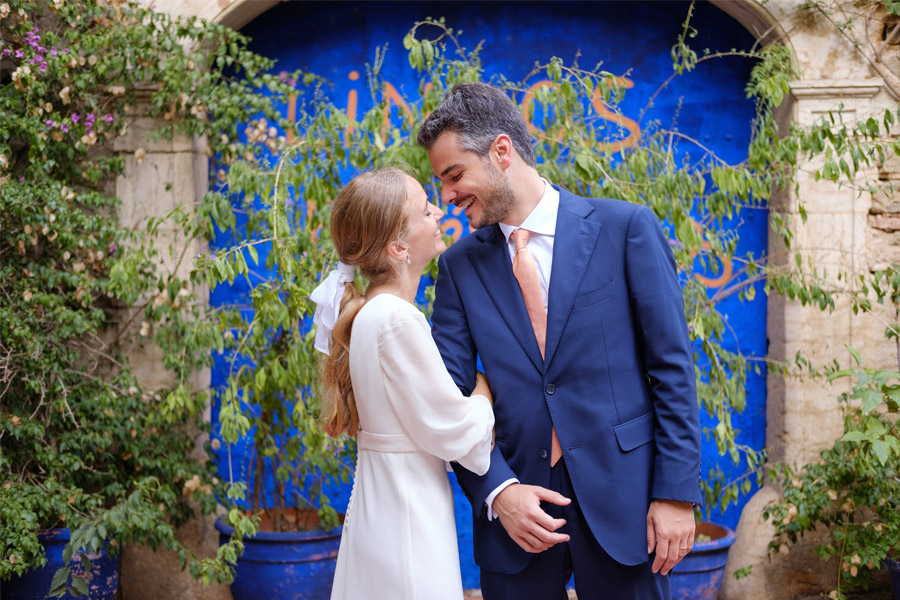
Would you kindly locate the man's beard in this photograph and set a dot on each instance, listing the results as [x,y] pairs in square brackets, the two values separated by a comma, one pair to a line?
[498,200]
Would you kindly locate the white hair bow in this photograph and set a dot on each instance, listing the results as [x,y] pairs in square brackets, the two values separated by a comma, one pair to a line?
[327,297]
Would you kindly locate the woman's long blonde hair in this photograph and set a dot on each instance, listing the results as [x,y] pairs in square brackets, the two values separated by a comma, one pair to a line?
[368,214]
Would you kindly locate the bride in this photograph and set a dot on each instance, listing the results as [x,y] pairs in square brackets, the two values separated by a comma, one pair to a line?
[384,382]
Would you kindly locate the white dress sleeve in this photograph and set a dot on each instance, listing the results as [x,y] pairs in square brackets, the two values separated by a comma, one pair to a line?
[431,409]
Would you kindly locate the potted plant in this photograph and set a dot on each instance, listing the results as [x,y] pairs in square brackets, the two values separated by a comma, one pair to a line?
[267,401]
[699,574]
[854,487]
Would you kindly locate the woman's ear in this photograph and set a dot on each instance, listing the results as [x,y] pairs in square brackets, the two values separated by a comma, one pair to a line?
[398,251]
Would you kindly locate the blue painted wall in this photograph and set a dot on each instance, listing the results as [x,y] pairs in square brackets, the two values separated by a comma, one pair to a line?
[337,39]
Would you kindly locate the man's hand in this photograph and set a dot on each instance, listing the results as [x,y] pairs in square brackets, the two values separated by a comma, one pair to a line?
[519,508]
[670,531]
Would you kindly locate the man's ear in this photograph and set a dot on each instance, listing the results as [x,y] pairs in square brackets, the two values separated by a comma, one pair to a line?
[501,151]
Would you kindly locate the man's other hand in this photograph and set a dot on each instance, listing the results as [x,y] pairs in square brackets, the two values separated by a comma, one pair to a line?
[670,532]
[519,508]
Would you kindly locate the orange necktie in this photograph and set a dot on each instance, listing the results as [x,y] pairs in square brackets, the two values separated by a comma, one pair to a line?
[525,270]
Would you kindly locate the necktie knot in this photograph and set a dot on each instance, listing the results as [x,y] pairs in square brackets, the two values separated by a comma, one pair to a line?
[521,238]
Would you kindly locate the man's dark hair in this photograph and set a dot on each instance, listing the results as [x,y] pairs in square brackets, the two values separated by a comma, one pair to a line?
[478,113]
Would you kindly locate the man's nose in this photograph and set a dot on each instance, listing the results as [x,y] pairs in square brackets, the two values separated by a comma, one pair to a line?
[447,194]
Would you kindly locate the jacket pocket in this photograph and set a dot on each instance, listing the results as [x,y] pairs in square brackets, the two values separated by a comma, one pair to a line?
[595,296]
[635,432]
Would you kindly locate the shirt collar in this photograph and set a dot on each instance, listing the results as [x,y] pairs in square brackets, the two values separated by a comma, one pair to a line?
[542,219]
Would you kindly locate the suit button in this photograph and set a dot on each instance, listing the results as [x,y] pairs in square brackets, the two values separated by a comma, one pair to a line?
[550,389]
[544,454]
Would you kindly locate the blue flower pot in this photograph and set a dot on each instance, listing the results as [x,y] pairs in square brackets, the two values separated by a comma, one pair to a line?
[35,584]
[699,574]
[893,567]
[285,566]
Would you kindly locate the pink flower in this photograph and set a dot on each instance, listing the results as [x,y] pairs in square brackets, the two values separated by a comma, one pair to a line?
[108,117]
[64,127]
[49,123]
[75,118]
[113,248]
[54,52]
[91,117]
[7,52]
[20,53]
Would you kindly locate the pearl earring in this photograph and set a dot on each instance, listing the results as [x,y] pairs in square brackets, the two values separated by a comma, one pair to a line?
[408,259]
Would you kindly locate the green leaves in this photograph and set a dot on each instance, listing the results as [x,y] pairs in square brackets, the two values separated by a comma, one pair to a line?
[84,446]
[857,476]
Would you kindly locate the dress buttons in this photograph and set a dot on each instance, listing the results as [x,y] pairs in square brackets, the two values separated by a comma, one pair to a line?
[544,454]
[550,389]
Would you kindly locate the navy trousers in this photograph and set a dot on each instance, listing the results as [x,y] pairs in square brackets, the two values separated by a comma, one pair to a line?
[597,576]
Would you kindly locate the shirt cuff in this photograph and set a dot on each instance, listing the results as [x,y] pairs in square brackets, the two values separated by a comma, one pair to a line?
[489,501]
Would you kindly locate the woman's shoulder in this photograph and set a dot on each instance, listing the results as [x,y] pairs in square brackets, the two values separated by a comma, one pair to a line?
[388,309]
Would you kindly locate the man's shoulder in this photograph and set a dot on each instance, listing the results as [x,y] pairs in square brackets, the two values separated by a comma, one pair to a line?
[607,208]
[462,246]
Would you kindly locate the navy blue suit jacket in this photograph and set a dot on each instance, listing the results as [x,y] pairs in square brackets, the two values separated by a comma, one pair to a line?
[617,380]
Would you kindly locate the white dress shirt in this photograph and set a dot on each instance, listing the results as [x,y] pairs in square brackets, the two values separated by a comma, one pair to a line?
[542,223]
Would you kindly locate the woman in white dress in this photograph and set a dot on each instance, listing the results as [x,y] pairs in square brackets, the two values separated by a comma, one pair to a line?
[385,383]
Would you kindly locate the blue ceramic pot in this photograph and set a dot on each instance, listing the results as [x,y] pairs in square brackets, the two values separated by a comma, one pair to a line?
[35,584]
[893,567]
[699,574]
[285,566]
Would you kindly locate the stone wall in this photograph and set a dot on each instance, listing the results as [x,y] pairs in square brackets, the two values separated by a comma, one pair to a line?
[159,177]
[849,232]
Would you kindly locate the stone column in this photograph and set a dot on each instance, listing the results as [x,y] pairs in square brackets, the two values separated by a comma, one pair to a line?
[802,415]
[159,177]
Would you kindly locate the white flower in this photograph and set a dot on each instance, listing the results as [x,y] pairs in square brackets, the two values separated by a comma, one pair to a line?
[64,95]
[4,10]
[22,71]
[140,154]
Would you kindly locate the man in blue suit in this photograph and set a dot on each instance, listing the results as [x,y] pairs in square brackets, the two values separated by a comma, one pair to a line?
[596,464]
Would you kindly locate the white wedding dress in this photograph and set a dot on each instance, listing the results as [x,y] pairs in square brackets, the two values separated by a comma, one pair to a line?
[399,538]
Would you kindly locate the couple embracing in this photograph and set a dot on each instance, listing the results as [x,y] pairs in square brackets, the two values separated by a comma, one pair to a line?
[579,447]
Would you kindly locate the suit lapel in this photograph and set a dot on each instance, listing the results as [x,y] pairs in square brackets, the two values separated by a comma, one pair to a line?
[577,231]
[491,261]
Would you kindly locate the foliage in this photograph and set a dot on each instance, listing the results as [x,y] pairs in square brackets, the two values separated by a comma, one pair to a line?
[84,444]
[854,487]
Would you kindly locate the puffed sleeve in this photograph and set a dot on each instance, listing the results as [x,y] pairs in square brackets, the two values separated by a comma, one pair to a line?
[432,410]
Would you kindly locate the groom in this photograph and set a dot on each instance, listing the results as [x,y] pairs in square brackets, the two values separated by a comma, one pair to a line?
[574,308]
